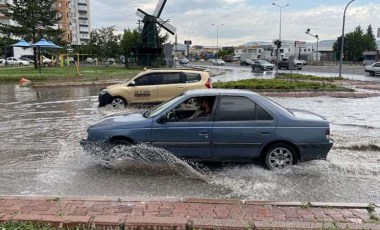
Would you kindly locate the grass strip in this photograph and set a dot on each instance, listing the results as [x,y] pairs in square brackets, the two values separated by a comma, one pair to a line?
[15,73]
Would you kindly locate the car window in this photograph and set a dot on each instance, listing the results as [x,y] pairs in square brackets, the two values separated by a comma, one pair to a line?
[169,78]
[236,109]
[192,77]
[163,106]
[146,80]
[262,115]
[195,109]
[377,65]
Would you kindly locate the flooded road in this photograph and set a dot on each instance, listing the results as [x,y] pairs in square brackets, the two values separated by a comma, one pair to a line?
[40,130]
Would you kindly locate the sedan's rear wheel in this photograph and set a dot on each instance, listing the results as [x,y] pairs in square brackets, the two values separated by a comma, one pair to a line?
[21,64]
[280,156]
[372,73]
[118,102]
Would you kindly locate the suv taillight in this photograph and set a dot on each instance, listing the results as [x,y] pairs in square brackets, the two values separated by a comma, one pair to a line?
[328,133]
[208,83]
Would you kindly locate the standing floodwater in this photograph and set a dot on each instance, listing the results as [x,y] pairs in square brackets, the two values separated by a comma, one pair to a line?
[40,130]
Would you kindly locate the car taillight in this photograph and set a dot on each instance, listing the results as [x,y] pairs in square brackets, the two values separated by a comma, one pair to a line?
[208,83]
[328,133]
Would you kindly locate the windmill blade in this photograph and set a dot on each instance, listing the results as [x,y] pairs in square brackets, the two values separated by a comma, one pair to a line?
[159,8]
[140,13]
[166,25]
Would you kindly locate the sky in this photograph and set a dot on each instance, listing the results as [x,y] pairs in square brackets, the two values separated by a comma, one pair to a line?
[243,20]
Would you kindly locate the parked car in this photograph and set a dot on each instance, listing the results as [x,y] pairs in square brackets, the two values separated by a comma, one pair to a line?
[90,60]
[246,62]
[31,61]
[262,65]
[240,127]
[304,62]
[184,61]
[373,69]
[284,63]
[153,86]
[218,62]
[2,60]
[16,61]
[71,60]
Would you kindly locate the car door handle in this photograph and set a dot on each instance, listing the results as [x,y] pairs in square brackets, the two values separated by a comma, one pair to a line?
[265,133]
[152,88]
[181,86]
[203,133]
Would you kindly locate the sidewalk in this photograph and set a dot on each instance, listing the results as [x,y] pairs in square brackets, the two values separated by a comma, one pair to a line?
[125,213]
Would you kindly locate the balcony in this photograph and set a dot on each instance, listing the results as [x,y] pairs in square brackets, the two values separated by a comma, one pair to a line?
[83,29]
[82,8]
[83,22]
[82,2]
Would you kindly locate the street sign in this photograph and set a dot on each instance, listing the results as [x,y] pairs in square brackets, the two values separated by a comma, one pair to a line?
[70,50]
[187,42]
[378,33]
[301,44]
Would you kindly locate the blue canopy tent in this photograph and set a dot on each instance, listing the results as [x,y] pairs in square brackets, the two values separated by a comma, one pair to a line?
[43,43]
[22,43]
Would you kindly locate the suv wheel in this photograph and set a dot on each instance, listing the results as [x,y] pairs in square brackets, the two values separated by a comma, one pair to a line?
[21,64]
[118,102]
[372,73]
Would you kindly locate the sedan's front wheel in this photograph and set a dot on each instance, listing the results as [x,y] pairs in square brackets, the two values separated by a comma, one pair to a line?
[280,156]
[118,102]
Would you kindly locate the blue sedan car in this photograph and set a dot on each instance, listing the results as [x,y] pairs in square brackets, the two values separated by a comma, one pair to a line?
[220,125]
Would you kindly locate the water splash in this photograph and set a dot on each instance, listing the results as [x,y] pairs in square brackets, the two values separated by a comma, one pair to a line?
[147,159]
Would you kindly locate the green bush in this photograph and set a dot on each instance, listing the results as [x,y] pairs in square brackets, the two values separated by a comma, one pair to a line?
[277,84]
[297,76]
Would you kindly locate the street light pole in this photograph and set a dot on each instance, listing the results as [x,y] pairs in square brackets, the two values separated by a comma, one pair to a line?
[278,51]
[217,38]
[317,37]
[342,40]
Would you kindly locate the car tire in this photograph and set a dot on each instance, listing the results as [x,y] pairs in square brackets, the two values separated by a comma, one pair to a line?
[280,156]
[21,64]
[372,73]
[118,102]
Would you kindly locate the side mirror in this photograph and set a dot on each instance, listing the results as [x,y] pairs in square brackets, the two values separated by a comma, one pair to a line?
[132,83]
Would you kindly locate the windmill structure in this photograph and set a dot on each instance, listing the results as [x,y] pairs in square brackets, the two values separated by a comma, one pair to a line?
[150,49]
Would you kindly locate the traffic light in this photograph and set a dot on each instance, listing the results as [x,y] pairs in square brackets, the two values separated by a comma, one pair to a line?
[278,43]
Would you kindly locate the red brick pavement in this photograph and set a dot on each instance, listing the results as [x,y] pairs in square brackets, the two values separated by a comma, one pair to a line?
[116,213]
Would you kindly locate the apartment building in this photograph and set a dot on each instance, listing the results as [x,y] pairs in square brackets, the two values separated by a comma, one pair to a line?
[80,19]
[3,6]
[63,12]
[75,19]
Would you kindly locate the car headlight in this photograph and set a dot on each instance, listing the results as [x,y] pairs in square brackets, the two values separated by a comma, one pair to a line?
[103,91]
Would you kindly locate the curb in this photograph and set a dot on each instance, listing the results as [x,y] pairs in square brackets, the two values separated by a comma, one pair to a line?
[186,213]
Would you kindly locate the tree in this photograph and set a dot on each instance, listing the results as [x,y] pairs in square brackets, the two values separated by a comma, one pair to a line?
[355,43]
[370,39]
[34,19]
[128,43]
[104,43]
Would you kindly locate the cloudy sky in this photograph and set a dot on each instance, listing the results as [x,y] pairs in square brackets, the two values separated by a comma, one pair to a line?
[243,20]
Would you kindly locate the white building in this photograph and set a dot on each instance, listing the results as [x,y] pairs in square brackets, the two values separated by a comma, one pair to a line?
[80,21]
[3,18]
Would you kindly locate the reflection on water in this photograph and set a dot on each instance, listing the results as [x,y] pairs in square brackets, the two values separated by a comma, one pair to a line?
[40,154]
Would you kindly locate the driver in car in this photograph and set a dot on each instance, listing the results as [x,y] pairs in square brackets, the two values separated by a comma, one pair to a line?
[204,110]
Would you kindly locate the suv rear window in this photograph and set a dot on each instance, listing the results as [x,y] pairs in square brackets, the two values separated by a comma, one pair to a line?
[192,77]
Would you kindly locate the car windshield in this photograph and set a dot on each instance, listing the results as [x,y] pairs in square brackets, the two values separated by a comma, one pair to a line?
[161,107]
[263,62]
